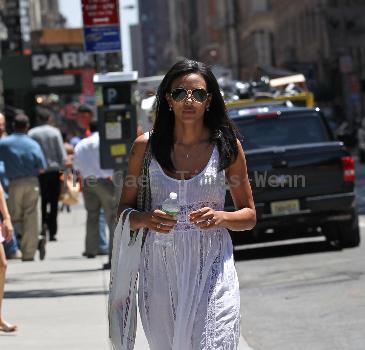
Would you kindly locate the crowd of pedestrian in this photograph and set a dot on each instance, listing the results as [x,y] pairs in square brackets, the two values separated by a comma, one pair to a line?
[35,164]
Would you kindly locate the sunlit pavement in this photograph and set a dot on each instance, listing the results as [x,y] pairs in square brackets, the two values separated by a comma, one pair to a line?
[303,296]
[61,303]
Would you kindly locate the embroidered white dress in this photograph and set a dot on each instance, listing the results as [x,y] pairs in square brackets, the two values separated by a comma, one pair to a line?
[188,287]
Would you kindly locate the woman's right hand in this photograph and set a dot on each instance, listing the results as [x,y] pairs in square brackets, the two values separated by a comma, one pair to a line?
[156,220]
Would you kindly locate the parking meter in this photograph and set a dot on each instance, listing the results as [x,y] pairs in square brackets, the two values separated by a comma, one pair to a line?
[117,117]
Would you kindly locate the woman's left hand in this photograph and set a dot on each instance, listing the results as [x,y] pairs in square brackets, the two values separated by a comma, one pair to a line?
[7,229]
[206,218]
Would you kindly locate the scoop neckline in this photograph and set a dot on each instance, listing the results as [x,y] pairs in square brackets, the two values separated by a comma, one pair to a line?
[192,178]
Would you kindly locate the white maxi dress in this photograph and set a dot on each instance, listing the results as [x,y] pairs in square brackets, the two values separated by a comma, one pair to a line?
[188,287]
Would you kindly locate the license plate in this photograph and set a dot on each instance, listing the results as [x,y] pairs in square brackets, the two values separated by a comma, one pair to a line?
[285,207]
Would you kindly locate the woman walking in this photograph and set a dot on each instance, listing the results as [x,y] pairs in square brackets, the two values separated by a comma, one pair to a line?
[188,286]
[6,233]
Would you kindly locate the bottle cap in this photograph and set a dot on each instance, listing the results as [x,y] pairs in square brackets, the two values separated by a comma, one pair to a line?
[173,195]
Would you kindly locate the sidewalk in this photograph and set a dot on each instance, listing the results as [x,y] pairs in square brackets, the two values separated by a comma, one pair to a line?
[61,303]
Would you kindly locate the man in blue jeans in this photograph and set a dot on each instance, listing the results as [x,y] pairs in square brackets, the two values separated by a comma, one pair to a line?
[24,161]
[103,240]
[98,190]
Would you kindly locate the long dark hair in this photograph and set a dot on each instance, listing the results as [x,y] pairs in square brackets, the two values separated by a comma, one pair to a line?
[222,132]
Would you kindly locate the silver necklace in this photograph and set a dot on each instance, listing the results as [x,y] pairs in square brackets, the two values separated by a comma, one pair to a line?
[188,154]
[185,155]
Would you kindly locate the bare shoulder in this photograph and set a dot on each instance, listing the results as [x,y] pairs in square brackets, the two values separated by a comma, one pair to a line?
[239,164]
[140,143]
[139,146]
[241,153]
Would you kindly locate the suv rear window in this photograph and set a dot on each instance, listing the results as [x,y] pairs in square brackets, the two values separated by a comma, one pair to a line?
[281,131]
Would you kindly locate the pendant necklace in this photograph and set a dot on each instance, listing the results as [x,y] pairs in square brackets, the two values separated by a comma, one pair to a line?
[185,155]
[188,154]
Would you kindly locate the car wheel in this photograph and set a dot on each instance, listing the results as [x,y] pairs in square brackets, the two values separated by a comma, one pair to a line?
[349,232]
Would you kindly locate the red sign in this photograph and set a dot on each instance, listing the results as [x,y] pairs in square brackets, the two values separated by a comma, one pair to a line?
[100,12]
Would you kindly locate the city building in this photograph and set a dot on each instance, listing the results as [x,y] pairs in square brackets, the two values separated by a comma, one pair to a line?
[208,36]
[45,14]
[171,30]
[156,36]
[57,69]
[325,40]
[255,27]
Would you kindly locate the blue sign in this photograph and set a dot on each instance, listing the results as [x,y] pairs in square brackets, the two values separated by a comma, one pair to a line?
[102,39]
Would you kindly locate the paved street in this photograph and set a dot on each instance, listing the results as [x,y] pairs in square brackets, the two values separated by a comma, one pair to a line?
[303,297]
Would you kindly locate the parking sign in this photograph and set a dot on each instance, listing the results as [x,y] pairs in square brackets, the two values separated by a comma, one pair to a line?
[101,25]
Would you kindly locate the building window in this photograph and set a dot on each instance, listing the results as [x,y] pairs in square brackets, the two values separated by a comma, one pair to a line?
[259,6]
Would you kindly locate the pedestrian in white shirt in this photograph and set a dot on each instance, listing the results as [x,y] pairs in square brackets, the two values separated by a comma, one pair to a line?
[98,189]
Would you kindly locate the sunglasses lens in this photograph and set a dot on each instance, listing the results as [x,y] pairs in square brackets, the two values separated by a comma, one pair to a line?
[178,94]
[200,95]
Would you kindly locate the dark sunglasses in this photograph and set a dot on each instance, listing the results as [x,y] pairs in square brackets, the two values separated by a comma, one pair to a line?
[198,95]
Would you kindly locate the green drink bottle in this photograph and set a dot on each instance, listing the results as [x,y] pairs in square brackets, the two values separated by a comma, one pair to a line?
[171,204]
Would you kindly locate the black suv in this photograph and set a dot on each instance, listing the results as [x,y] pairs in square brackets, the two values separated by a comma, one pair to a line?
[302,178]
